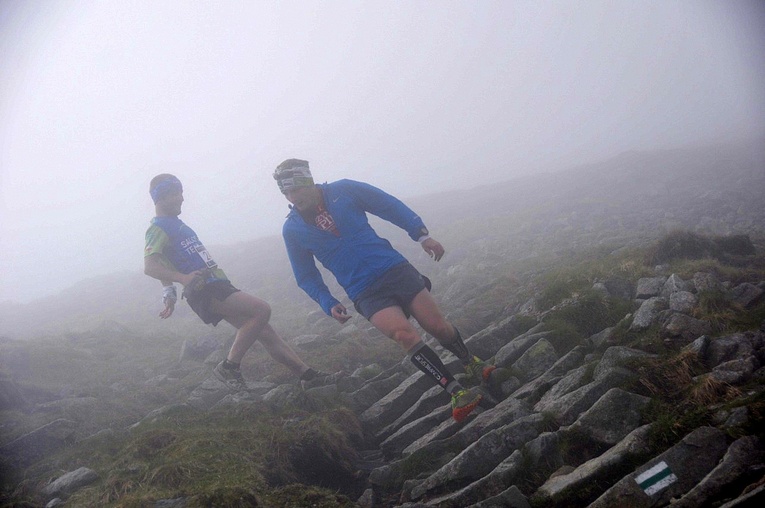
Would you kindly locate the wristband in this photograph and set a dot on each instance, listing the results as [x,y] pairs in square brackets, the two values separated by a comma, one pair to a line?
[423,238]
[169,294]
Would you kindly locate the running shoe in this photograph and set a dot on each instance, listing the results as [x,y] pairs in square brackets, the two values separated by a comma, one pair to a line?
[464,402]
[322,379]
[232,377]
[478,372]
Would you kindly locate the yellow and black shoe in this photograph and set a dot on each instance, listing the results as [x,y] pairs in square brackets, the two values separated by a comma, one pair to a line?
[464,402]
[478,372]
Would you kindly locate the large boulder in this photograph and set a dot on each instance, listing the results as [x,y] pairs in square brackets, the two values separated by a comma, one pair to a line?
[483,455]
[649,287]
[573,489]
[746,295]
[743,463]
[611,418]
[671,474]
[536,360]
[683,301]
[673,285]
[683,329]
[488,341]
[42,442]
[65,485]
[648,313]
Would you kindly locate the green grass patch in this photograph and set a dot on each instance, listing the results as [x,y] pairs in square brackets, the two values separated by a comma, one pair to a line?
[589,313]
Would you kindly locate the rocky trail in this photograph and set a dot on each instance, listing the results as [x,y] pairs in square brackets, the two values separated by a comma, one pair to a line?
[571,429]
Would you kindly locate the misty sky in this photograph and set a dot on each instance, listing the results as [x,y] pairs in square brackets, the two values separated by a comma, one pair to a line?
[413,96]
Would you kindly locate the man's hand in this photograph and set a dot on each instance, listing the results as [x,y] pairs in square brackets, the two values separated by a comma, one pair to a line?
[168,310]
[433,248]
[169,297]
[340,313]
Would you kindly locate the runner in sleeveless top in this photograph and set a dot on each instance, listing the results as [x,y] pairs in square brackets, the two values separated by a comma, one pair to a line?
[329,222]
[174,253]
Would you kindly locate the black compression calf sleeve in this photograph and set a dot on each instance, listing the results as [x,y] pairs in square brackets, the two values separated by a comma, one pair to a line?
[458,347]
[425,359]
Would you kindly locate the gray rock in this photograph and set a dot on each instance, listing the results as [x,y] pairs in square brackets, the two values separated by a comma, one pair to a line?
[533,391]
[569,489]
[482,456]
[408,433]
[752,498]
[506,411]
[574,379]
[164,413]
[648,313]
[209,393]
[368,372]
[743,462]
[510,498]
[738,417]
[746,295]
[65,485]
[461,435]
[508,472]
[442,431]
[673,285]
[544,454]
[611,418]
[649,287]
[600,338]
[372,391]
[683,301]
[684,328]
[178,502]
[688,461]
[488,341]
[736,372]
[367,499]
[310,342]
[68,405]
[567,408]
[536,360]
[396,402]
[509,353]
[730,347]
[699,346]
[706,282]
[615,358]
[198,349]
[431,400]
[284,395]
[42,442]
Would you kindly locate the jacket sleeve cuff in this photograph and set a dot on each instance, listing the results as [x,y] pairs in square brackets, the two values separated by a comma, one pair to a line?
[327,305]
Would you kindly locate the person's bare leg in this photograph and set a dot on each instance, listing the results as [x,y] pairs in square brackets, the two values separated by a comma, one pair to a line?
[392,322]
[281,351]
[425,310]
[249,315]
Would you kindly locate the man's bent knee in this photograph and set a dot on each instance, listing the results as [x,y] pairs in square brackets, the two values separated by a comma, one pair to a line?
[407,339]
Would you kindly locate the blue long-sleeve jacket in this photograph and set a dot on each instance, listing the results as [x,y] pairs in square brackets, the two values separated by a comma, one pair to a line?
[358,256]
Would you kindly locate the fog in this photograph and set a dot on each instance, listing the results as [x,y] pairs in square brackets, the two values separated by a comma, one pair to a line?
[415,97]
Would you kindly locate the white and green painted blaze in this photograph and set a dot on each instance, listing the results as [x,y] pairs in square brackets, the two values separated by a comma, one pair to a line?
[658,478]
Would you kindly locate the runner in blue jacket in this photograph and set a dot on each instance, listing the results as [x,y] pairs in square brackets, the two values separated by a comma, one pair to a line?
[329,222]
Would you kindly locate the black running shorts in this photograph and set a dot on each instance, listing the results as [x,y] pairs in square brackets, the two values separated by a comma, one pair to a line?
[199,301]
[395,288]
